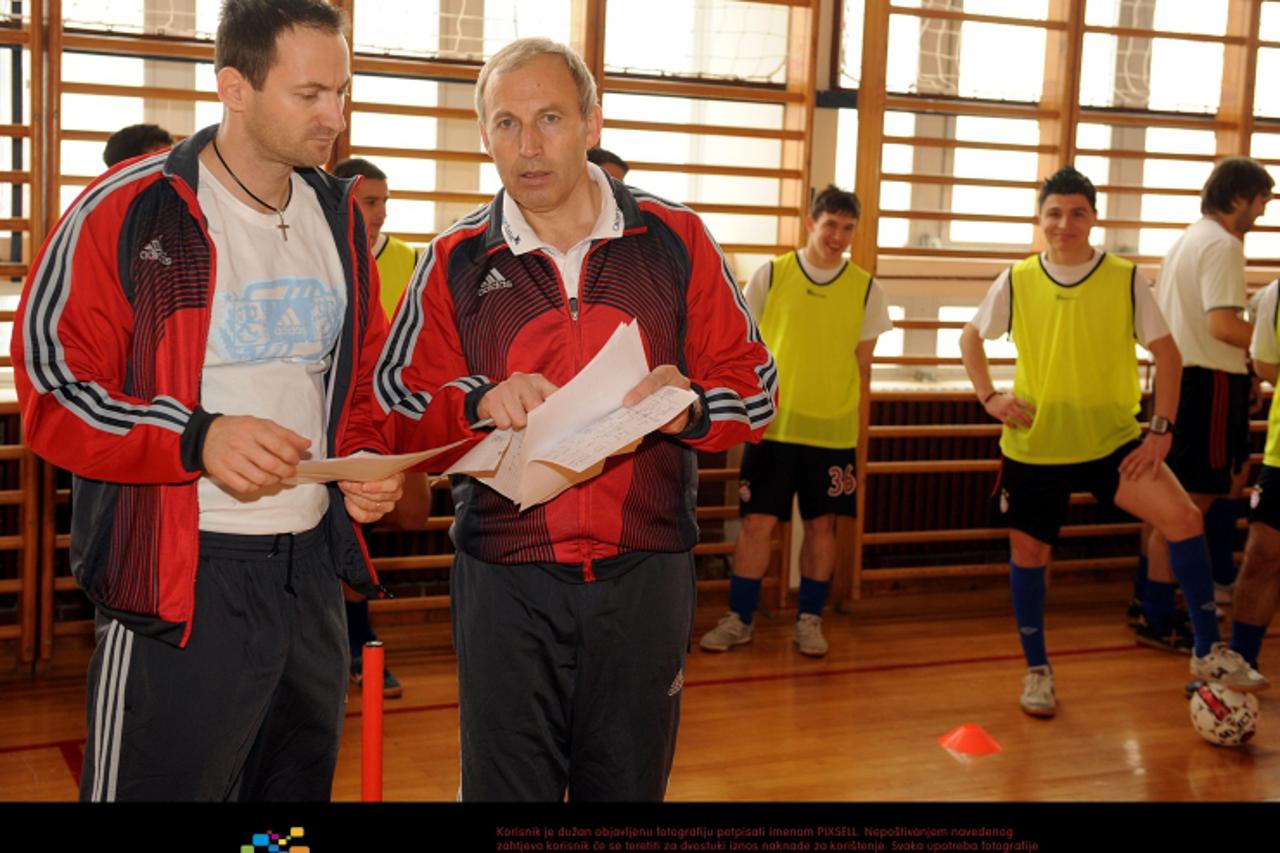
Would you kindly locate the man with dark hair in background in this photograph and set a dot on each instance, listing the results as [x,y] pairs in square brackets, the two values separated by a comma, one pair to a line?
[134,141]
[820,315]
[613,165]
[197,324]
[1201,292]
[395,260]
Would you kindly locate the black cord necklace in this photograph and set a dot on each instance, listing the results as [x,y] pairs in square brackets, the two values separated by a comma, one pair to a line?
[278,211]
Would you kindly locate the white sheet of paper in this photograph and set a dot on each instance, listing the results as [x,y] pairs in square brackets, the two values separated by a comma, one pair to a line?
[485,456]
[573,432]
[506,478]
[596,391]
[364,467]
[618,429]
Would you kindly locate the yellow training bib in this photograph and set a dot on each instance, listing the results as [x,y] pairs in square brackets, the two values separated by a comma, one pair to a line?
[1076,363]
[813,332]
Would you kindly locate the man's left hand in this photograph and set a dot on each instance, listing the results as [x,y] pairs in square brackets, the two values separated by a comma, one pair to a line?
[1145,459]
[368,502]
[659,377]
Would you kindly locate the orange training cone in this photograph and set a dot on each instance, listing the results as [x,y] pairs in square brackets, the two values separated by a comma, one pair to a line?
[970,739]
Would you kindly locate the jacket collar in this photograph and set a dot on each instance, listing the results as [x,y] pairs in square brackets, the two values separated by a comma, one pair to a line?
[495,236]
[183,164]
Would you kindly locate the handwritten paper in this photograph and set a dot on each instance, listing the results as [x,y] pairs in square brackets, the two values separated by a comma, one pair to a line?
[569,437]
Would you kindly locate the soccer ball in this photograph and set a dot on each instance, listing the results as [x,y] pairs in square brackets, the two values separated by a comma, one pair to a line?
[1223,716]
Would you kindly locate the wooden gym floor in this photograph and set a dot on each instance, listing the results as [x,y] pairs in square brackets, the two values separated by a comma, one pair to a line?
[763,723]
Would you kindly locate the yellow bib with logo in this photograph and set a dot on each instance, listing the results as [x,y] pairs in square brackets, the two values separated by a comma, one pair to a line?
[813,331]
[1272,454]
[1076,363]
[395,268]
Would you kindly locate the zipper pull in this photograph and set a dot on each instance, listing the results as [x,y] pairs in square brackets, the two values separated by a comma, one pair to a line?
[573,307]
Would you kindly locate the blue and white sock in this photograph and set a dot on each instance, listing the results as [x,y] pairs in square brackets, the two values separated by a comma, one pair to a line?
[1189,560]
[1027,586]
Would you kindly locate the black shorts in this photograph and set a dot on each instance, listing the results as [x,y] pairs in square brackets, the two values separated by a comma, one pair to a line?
[773,471]
[1211,441]
[1264,504]
[1034,498]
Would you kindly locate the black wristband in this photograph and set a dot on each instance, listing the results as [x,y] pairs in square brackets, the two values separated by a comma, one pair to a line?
[987,399]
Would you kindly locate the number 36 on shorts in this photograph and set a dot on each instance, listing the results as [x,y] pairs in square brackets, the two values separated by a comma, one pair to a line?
[842,481]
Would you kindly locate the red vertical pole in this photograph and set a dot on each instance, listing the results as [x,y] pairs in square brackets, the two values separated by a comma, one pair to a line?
[371,741]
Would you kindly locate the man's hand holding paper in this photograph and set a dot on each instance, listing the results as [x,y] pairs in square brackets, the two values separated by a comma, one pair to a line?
[606,409]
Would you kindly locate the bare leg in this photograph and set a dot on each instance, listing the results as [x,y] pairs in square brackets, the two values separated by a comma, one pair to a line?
[1158,545]
[1160,501]
[754,549]
[818,551]
[1258,587]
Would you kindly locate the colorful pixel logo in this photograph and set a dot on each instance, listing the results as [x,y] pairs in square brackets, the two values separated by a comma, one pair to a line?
[271,842]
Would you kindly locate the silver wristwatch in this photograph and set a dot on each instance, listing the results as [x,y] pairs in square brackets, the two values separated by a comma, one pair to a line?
[1160,425]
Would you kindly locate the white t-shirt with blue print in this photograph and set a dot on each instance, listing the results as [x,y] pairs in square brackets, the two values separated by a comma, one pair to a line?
[277,314]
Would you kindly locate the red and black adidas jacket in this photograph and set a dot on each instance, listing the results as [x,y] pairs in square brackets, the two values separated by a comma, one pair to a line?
[454,337]
[108,351]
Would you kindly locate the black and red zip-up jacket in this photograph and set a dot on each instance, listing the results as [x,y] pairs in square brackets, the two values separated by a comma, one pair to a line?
[475,313]
[108,351]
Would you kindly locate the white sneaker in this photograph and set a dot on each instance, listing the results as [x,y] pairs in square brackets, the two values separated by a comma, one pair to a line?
[808,635]
[1038,696]
[1227,668]
[729,632]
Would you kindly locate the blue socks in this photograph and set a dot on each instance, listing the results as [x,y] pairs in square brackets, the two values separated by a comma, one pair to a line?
[1189,560]
[1246,639]
[1220,530]
[813,596]
[744,595]
[1157,605]
[1027,587]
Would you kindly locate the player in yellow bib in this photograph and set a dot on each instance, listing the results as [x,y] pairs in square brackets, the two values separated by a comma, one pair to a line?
[395,260]
[820,316]
[1257,593]
[1069,424]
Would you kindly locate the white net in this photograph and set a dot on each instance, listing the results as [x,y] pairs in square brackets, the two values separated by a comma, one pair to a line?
[722,39]
[719,39]
[425,29]
[455,29]
[180,18]
[851,21]
[968,59]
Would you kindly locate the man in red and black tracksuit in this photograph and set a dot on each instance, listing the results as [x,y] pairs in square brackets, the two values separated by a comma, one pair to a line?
[570,619]
[198,322]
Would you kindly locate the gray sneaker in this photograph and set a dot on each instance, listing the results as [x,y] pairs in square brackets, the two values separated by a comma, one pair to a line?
[1227,668]
[808,635]
[1038,696]
[730,631]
